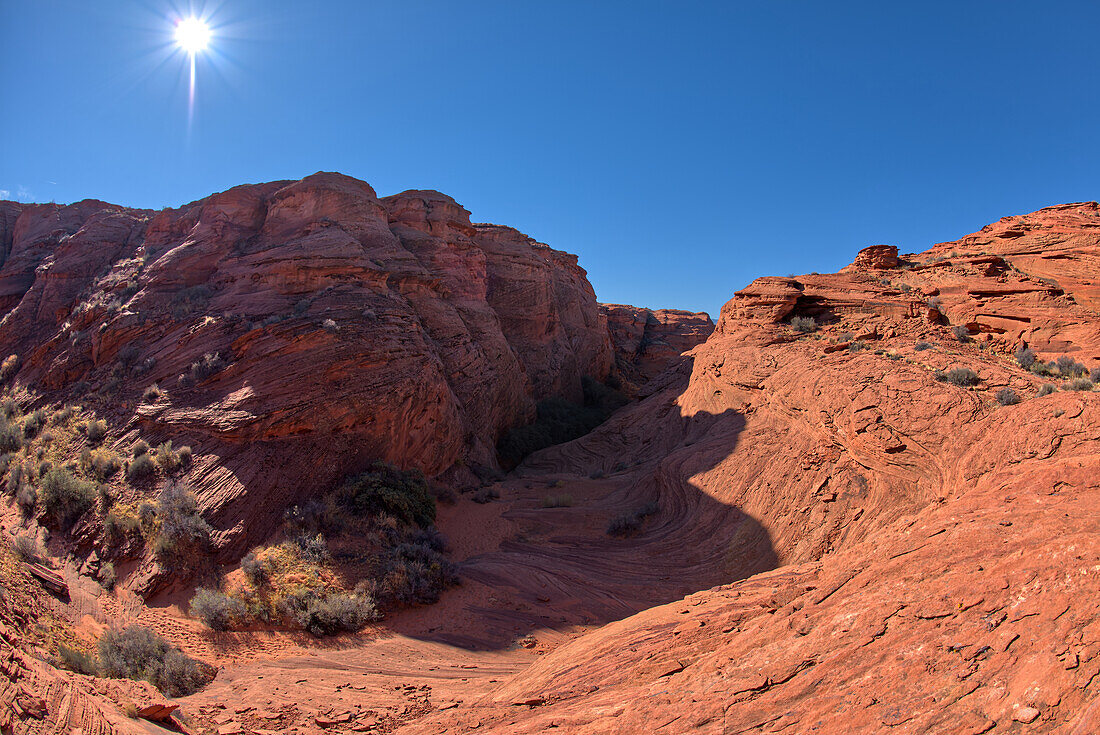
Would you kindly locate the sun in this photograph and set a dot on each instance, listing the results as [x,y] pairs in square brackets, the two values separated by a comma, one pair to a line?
[192,34]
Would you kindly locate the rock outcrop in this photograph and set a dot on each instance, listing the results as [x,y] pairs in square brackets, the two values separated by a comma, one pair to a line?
[647,342]
[931,543]
[339,328]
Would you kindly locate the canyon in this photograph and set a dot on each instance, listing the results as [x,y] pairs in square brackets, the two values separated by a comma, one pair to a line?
[824,530]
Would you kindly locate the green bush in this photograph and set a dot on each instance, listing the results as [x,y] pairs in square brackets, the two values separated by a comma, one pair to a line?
[183,533]
[78,661]
[11,436]
[33,423]
[386,489]
[168,459]
[139,653]
[415,573]
[63,497]
[95,430]
[140,468]
[217,610]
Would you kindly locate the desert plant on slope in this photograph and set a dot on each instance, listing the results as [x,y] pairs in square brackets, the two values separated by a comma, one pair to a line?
[11,436]
[1079,384]
[1070,368]
[217,610]
[152,394]
[139,653]
[803,324]
[8,368]
[1025,357]
[386,489]
[961,333]
[1007,397]
[1047,389]
[63,497]
[182,534]
[95,430]
[141,468]
[960,376]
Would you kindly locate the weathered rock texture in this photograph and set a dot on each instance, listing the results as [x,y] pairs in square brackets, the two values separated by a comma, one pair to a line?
[647,342]
[354,328]
[935,552]
[841,542]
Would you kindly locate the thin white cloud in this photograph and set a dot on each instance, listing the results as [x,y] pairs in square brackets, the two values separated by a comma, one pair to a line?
[24,194]
[5,194]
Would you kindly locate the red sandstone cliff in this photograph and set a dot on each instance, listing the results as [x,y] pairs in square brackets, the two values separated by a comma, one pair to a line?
[647,342]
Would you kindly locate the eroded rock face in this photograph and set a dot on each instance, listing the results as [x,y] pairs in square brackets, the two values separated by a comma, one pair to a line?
[647,342]
[352,328]
[931,545]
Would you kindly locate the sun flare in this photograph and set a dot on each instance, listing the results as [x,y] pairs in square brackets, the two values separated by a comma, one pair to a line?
[192,35]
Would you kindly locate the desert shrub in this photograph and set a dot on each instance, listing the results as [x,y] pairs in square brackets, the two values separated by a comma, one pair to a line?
[63,415]
[11,436]
[185,455]
[183,533]
[63,497]
[255,570]
[1006,397]
[329,325]
[958,376]
[8,368]
[167,459]
[78,661]
[557,501]
[1079,384]
[1025,357]
[95,430]
[386,489]
[128,355]
[118,525]
[152,394]
[33,423]
[190,300]
[310,548]
[9,407]
[628,523]
[333,613]
[1046,389]
[485,495]
[210,364]
[415,573]
[140,468]
[19,485]
[217,610]
[1094,376]
[559,420]
[803,324]
[100,462]
[1048,369]
[857,346]
[108,577]
[1070,368]
[922,346]
[139,653]
[140,447]
[961,333]
[27,548]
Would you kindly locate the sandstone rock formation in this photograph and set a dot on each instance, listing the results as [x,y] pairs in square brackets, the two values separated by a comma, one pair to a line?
[829,535]
[351,328]
[647,342]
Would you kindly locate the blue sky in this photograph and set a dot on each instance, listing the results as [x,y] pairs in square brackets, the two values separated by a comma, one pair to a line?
[681,149]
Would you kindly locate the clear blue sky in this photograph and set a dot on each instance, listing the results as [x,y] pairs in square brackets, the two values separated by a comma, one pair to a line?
[681,149]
